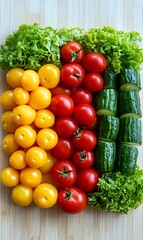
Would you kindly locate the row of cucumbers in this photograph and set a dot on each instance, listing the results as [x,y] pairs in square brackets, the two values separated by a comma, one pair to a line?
[119,122]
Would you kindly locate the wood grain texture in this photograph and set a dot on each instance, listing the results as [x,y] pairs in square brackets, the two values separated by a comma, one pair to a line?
[31,223]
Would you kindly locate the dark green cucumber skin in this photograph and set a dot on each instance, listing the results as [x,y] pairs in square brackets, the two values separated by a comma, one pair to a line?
[129,102]
[108,128]
[107,99]
[131,76]
[126,158]
[110,78]
[105,155]
[130,131]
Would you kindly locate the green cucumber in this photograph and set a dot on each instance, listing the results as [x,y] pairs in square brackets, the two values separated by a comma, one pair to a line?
[108,128]
[129,79]
[105,155]
[106,102]
[129,104]
[110,78]
[130,131]
[126,158]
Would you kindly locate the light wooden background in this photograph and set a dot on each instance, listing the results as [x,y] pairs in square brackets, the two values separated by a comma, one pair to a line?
[31,223]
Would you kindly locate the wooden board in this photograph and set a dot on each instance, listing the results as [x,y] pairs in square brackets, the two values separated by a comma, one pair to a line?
[31,223]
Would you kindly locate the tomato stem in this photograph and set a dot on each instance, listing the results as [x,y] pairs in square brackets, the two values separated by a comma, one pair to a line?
[83,155]
[68,194]
[76,75]
[78,133]
[74,54]
[65,172]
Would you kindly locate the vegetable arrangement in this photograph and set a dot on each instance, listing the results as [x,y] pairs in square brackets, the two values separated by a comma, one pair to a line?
[72,118]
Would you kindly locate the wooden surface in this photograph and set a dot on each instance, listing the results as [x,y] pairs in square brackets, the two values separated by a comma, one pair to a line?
[31,223]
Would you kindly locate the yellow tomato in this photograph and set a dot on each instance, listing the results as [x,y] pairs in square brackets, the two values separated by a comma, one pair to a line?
[49,76]
[44,119]
[30,80]
[7,100]
[22,195]
[50,161]
[30,177]
[40,98]
[20,96]
[13,77]
[9,144]
[25,136]
[24,114]
[45,195]
[10,177]
[36,157]
[8,123]
[17,160]
[47,138]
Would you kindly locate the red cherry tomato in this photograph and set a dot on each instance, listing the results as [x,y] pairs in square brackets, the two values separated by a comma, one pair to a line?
[94,62]
[72,200]
[61,89]
[72,52]
[72,74]
[64,173]
[87,180]
[93,82]
[83,159]
[81,95]
[65,126]
[84,114]
[61,105]
[63,149]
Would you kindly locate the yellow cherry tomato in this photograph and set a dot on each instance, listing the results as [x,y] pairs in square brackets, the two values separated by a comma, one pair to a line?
[24,114]
[40,98]
[50,161]
[45,195]
[30,80]
[47,138]
[44,118]
[13,77]
[9,144]
[8,123]
[36,157]
[49,75]
[20,96]
[25,136]
[30,177]
[7,100]
[22,195]
[17,160]
[10,177]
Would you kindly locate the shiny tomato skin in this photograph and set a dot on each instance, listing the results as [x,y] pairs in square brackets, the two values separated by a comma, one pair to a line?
[61,105]
[63,149]
[94,62]
[84,114]
[87,180]
[93,82]
[65,126]
[61,89]
[72,52]
[72,75]
[84,140]
[72,200]
[64,174]
[83,159]
[81,95]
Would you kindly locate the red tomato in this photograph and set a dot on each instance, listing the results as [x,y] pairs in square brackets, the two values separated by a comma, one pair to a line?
[87,180]
[83,159]
[61,105]
[60,89]
[72,52]
[72,200]
[84,140]
[81,95]
[94,62]
[65,126]
[64,173]
[93,82]
[63,149]
[72,75]
[84,114]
